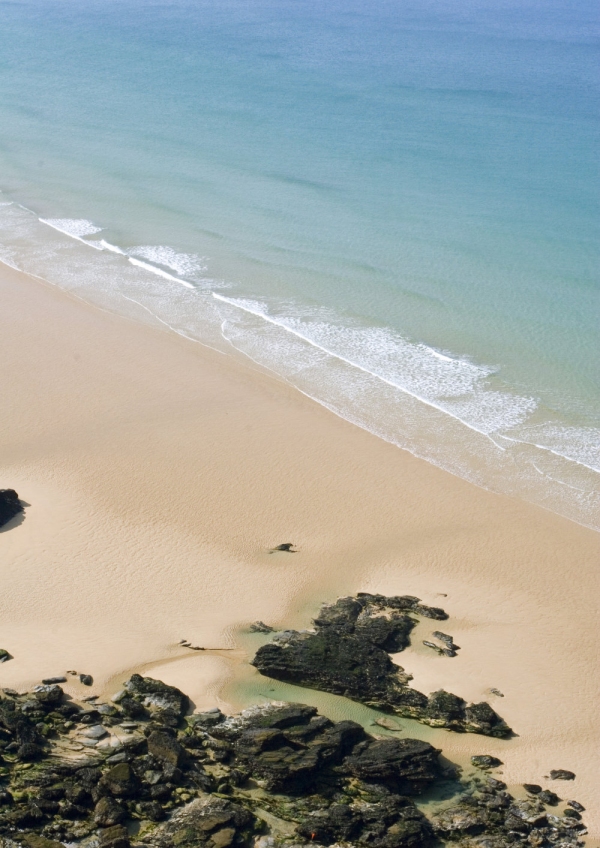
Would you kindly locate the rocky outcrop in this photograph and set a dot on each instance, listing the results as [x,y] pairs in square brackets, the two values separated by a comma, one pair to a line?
[348,653]
[487,816]
[10,505]
[275,776]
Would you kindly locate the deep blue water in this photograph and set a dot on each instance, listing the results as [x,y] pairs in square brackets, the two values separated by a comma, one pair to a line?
[392,205]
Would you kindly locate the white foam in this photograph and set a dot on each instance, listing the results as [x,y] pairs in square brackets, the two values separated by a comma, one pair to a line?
[184,264]
[453,386]
[74,227]
[159,272]
[106,245]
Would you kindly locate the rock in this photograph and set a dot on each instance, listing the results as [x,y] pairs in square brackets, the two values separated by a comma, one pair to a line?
[485,761]
[50,680]
[576,806]
[165,748]
[548,797]
[286,546]
[443,637]
[95,732]
[388,724]
[29,751]
[4,655]
[86,679]
[49,695]
[394,823]
[10,505]
[433,646]
[407,766]
[532,788]
[120,781]
[213,822]
[108,812]
[496,692]
[348,654]
[561,774]
[260,627]
[114,837]
[167,702]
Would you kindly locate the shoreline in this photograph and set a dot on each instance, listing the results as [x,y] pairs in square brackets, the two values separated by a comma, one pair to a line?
[159,475]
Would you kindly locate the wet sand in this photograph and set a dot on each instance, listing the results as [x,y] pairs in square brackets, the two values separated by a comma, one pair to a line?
[159,475]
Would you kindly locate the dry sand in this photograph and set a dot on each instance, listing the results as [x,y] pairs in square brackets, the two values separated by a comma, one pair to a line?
[159,474]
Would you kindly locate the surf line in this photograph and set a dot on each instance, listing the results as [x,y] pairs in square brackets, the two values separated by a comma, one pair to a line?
[341,358]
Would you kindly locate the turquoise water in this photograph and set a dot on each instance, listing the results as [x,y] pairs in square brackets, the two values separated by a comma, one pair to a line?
[393,206]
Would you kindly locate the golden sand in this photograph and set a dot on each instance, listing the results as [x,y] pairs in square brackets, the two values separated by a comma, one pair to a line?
[159,474]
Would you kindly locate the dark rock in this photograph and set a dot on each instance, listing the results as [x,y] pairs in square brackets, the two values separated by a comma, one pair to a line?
[86,679]
[165,748]
[573,814]
[484,761]
[408,766]
[4,655]
[49,695]
[10,505]
[150,810]
[34,840]
[114,837]
[532,788]
[163,701]
[348,654]
[108,812]
[214,822]
[49,680]
[548,797]
[29,751]
[576,806]
[561,774]
[433,646]
[260,627]
[120,781]
[285,546]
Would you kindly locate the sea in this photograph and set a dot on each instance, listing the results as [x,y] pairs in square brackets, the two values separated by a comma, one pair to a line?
[391,205]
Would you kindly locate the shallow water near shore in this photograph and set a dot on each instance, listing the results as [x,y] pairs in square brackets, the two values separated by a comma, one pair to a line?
[393,209]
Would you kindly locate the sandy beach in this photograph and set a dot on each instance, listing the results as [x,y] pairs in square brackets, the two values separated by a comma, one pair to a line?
[159,474]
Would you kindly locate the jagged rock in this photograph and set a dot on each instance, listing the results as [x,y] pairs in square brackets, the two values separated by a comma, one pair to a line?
[394,823]
[348,654]
[49,695]
[548,797]
[285,546]
[207,821]
[165,748]
[485,761]
[167,702]
[407,766]
[260,627]
[120,781]
[4,655]
[10,505]
[114,837]
[561,774]
[108,812]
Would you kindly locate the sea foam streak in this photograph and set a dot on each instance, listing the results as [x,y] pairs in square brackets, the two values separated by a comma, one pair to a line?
[448,410]
[159,272]
[74,227]
[453,386]
[184,264]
